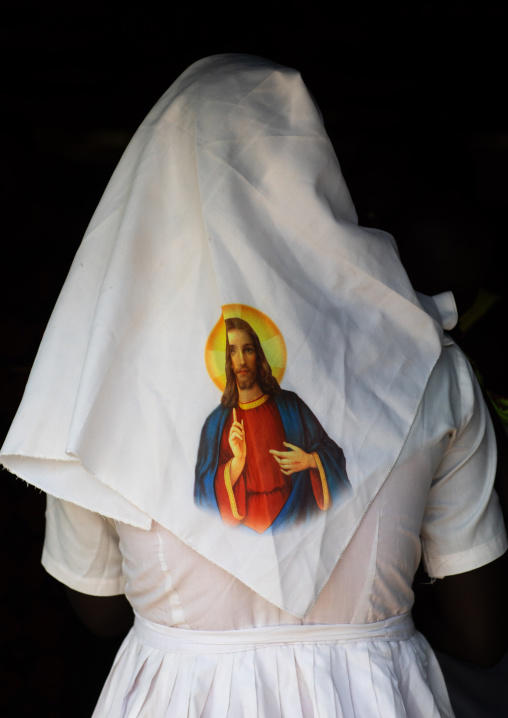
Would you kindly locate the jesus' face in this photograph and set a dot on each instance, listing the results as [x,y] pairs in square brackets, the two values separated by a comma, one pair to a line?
[243,358]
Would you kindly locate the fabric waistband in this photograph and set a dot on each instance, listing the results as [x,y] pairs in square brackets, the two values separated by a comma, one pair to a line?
[183,640]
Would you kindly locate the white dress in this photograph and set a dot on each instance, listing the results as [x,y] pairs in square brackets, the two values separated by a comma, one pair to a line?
[206,645]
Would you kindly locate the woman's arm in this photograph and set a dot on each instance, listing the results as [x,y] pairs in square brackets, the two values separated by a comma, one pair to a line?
[105,616]
[466,615]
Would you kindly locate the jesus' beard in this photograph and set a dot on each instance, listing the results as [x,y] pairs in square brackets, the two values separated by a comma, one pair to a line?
[246,381]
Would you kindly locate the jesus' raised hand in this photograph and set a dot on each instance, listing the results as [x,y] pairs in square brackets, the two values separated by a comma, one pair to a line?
[238,446]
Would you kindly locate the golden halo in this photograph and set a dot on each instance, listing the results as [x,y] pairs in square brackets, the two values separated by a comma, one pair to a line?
[269,335]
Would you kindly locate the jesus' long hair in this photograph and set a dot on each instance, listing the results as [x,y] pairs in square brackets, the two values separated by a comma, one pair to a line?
[267,382]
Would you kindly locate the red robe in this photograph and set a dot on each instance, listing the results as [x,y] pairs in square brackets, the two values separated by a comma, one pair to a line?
[262,489]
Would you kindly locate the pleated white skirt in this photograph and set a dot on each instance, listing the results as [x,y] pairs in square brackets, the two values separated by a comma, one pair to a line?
[379,670]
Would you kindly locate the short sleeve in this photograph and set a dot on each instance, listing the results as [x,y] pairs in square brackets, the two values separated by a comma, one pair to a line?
[463,526]
[81,549]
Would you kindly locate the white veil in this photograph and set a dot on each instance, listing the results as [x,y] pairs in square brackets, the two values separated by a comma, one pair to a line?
[229,195]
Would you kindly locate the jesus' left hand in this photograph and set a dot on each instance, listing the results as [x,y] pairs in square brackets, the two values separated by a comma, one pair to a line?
[291,462]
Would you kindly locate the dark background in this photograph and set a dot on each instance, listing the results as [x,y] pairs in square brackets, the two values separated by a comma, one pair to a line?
[413,98]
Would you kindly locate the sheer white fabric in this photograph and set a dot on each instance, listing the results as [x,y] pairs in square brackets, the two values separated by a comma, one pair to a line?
[438,494]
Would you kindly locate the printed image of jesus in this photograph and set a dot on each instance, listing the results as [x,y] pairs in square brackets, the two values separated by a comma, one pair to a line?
[264,460]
